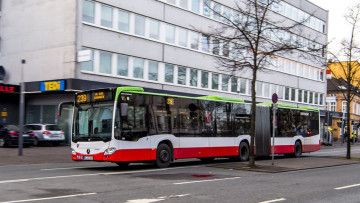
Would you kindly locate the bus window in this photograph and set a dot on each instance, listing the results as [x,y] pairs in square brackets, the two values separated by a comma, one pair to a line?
[223,120]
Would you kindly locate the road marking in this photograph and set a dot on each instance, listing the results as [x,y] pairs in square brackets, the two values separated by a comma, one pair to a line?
[201,181]
[92,174]
[156,199]
[84,167]
[48,198]
[348,186]
[274,200]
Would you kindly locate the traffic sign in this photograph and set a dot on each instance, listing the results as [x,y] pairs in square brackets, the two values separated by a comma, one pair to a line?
[275,98]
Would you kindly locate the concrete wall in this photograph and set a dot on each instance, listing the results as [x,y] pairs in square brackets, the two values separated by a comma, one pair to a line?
[43,33]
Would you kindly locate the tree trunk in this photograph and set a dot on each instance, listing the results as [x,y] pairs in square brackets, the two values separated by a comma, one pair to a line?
[253,119]
[348,130]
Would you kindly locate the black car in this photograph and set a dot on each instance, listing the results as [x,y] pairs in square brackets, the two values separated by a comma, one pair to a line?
[9,135]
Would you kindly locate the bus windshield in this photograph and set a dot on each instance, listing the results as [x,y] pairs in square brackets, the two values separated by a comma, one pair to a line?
[93,122]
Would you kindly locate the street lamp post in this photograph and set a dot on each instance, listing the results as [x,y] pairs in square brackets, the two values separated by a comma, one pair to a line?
[22,107]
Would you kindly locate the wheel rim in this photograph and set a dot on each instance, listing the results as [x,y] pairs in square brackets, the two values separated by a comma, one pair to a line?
[164,156]
[2,142]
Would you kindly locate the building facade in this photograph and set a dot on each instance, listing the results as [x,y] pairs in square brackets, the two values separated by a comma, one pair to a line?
[72,45]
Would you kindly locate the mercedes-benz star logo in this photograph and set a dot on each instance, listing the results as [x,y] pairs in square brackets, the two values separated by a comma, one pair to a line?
[88,151]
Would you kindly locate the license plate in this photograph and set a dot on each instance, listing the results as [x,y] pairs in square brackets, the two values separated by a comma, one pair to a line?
[55,136]
[25,135]
[88,158]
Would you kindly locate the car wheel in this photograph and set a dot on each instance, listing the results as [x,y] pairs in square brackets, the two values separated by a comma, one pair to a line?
[36,142]
[163,156]
[297,149]
[244,151]
[3,142]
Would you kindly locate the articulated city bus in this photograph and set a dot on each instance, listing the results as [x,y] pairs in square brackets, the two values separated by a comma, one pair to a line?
[127,124]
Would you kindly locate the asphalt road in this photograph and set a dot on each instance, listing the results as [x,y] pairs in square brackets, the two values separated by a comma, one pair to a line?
[184,181]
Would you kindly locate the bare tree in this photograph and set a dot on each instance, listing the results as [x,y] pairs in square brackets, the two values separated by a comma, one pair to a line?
[251,38]
[345,64]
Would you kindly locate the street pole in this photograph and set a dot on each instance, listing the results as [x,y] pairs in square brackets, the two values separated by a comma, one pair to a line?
[274,108]
[22,107]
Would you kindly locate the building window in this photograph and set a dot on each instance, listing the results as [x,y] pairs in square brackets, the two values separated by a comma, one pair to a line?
[193,77]
[105,62]
[225,83]
[332,106]
[138,68]
[123,21]
[195,6]
[170,34]
[139,25]
[344,104]
[287,93]
[234,84]
[316,98]
[88,65]
[204,79]
[153,70]
[215,81]
[280,92]
[226,50]
[206,8]
[205,42]
[88,11]
[266,90]
[216,10]
[123,64]
[169,73]
[194,40]
[216,46]
[259,89]
[106,16]
[311,98]
[154,29]
[243,86]
[293,94]
[300,95]
[181,75]
[182,37]
[184,4]
[305,96]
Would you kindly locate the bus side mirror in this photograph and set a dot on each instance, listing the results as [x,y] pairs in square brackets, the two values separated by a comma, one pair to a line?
[124,107]
[61,105]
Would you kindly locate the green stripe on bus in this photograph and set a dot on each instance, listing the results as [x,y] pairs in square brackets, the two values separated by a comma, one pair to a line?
[290,106]
[126,89]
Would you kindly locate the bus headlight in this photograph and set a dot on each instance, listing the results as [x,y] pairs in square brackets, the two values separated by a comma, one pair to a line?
[73,151]
[110,151]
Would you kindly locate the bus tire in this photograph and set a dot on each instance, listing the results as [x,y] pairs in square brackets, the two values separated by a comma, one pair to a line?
[122,164]
[163,156]
[244,151]
[297,149]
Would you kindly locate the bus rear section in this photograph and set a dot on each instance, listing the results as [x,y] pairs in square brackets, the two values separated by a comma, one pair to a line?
[297,130]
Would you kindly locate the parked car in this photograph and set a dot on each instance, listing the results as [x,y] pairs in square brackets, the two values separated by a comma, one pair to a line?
[47,133]
[9,135]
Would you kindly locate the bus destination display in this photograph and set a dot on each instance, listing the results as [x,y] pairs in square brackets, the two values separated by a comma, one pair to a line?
[94,97]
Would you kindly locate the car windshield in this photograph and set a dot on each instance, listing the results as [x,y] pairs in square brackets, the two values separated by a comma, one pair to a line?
[52,127]
[93,122]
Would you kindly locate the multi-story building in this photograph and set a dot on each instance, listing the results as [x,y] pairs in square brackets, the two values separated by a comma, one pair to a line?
[147,43]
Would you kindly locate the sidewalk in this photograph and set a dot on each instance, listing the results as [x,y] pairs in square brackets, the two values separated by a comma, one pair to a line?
[35,155]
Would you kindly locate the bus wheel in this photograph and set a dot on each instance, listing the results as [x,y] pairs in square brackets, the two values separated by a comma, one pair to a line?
[163,156]
[123,164]
[244,151]
[297,149]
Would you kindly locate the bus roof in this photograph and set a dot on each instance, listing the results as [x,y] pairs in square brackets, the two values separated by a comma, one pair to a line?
[141,90]
[290,106]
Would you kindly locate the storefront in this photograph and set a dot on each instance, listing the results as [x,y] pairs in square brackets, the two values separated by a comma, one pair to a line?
[9,104]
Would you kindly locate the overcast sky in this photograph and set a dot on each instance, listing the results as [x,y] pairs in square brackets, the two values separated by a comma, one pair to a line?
[339,28]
